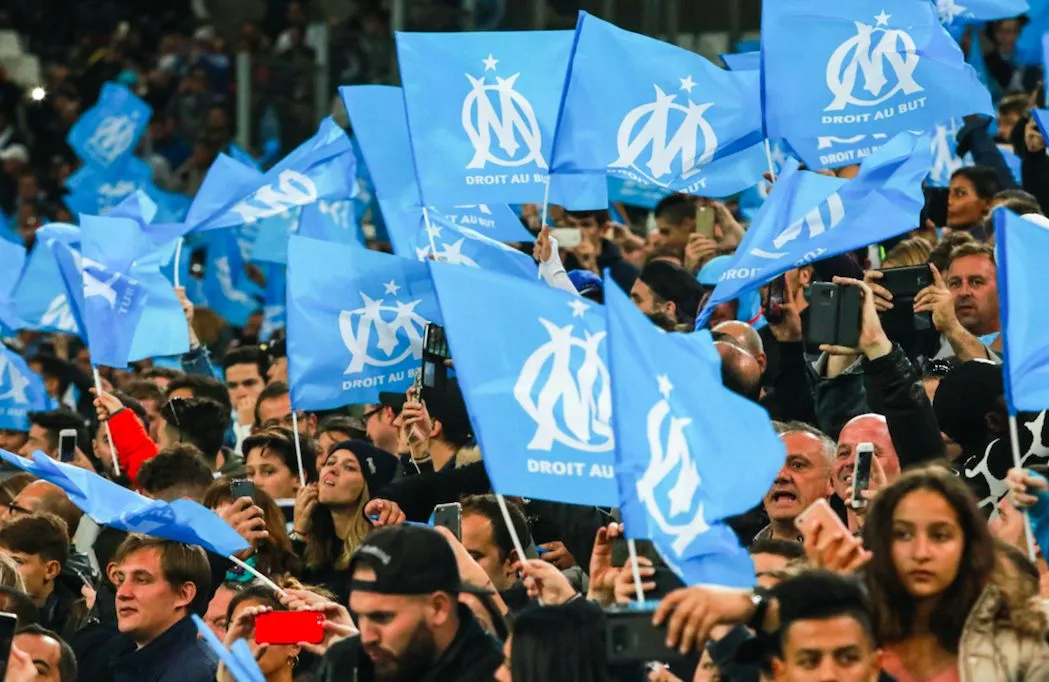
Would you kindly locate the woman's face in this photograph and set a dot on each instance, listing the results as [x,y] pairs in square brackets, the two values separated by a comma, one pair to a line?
[277,656]
[267,471]
[964,207]
[341,481]
[927,543]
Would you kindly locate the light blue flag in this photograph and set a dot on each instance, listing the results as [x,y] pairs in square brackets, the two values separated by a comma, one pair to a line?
[809,217]
[322,167]
[682,440]
[859,72]
[94,190]
[380,126]
[953,12]
[13,257]
[742,61]
[271,239]
[21,391]
[238,660]
[243,156]
[356,320]
[534,375]
[274,308]
[482,109]
[1021,244]
[945,159]
[656,113]
[226,288]
[1041,119]
[458,245]
[634,193]
[40,296]
[108,131]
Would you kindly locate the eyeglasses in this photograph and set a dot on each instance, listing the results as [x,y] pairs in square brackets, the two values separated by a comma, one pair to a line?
[371,413]
[16,510]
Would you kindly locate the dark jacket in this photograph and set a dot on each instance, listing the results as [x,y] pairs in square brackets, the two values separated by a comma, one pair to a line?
[473,656]
[623,271]
[1034,166]
[66,610]
[789,396]
[175,656]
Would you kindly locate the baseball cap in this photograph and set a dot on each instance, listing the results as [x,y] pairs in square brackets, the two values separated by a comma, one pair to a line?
[585,282]
[409,560]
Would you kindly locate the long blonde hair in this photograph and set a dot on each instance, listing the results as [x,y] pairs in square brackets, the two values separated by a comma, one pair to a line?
[321,546]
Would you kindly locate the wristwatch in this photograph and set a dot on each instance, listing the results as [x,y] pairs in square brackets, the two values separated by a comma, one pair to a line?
[760,600]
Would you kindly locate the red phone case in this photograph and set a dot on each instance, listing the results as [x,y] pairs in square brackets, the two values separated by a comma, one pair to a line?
[289,627]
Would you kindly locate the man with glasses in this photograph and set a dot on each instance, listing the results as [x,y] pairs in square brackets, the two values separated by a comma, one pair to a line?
[41,497]
[380,422]
[273,408]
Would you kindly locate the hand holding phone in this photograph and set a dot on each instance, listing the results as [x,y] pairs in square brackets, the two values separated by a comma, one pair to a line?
[705,220]
[67,445]
[861,475]
[449,516]
[241,487]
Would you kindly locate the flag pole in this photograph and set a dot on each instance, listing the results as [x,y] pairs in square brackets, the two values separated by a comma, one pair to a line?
[512,530]
[1014,438]
[544,214]
[178,258]
[429,233]
[263,579]
[109,434]
[298,446]
[635,568]
[768,155]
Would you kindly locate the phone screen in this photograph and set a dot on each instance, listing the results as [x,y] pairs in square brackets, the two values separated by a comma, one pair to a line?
[705,221]
[861,474]
[67,445]
[777,292]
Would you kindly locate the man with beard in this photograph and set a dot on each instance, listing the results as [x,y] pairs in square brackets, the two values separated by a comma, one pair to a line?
[405,596]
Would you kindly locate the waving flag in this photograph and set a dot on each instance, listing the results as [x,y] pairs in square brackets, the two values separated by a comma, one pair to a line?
[655,113]
[226,288]
[356,320]
[463,246]
[1021,243]
[858,74]
[973,11]
[482,109]
[682,440]
[329,221]
[21,391]
[40,295]
[533,372]
[380,126]
[13,256]
[742,61]
[634,193]
[109,131]
[808,217]
[94,190]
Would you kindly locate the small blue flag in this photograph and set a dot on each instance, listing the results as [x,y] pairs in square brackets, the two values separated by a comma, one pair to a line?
[655,113]
[973,11]
[458,245]
[945,159]
[634,193]
[534,375]
[809,217]
[21,391]
[13,256]
[242,156]
[1022,244]
[380,126]
[94,190]
[40,295]
[356,321]
[742,61]
[274,308]
[682,440]
[238,661]
[108,131]
[226,288]
[858,73]
[482,109]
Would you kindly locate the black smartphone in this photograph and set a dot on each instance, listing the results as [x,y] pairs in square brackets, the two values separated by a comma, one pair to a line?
[905,283]
[435,352]
[861,474]
[241,487]
[774,306]
[935,209]
[630,637]
[666,582]
[834,317]
[8,625]
[67,445]
[198,259]
[449,516]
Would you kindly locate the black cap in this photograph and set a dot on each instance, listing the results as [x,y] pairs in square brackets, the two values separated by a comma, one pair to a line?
[377,466]
[672,282]
[409,560]
[964,397]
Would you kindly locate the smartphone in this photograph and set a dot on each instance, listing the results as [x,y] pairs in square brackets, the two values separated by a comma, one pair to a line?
[449,516]
[774,306]
[198,259]
[666,582]
[905,283]
[8,624]
[435,351]
[630,637]
[289,627]
[935,209]
[861,474]
[567,237]
[241,487]
[819,513]
[834,317]
[705,221]
[67,445]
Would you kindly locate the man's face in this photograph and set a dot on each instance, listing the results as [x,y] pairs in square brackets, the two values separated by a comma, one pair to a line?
[863,429]
[1006,122]
[396,631]
[831,650]
[12,441]
[479,542]
[274,409]
[676,236]
[153,413]
[381,427]
[37,440]
[46,653]
[589,226]
[215,616]
[645,300]
[37,574]
[803,479]
[278,370]
[147,604]
[973,280]
[766,563]
[31,499]
[244,381]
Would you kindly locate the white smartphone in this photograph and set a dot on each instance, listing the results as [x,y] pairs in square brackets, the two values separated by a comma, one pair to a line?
[567,237]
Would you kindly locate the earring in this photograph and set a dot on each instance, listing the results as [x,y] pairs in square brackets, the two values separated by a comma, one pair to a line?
[294,660]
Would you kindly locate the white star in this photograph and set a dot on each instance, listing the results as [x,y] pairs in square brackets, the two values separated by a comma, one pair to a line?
[391,287]
[489,64]
[687,83]
[665,387]
[372,307]
[949,9]
[433,232]
[882,19]
[578,307]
